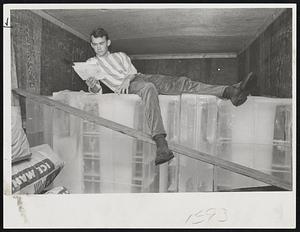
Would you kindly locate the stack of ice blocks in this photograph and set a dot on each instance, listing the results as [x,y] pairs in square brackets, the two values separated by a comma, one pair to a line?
[256,134]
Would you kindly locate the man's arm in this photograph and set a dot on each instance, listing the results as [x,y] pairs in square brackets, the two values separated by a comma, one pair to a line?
[131,73]
[124,87]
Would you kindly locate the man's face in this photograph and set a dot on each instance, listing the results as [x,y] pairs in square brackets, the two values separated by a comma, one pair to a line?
[100,45]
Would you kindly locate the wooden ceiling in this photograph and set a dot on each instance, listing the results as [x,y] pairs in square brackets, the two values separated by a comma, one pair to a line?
[164,31]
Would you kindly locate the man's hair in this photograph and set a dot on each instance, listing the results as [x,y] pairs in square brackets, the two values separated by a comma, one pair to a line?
[99,32]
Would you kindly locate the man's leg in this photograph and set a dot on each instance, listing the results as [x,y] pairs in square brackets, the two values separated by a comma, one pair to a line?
[171,85]
[149,95]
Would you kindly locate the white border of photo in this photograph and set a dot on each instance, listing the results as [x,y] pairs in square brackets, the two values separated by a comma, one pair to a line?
[162,210]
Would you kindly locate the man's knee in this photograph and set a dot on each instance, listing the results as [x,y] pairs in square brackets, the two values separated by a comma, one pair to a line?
[150,87]
[183,78]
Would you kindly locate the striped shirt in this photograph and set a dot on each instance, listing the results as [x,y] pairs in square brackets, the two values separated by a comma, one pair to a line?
[114,68]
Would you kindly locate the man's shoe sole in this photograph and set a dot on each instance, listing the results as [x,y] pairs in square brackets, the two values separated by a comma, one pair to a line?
[164,160]
[244,88]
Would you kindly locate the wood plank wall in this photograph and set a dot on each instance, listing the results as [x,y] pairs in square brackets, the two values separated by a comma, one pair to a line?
[26,33]
[40,51]
[270,57]
[59,48]
[218,71]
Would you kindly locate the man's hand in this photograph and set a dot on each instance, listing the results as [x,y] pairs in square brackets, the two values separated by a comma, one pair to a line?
[123,88]
[91,82]
[94,85]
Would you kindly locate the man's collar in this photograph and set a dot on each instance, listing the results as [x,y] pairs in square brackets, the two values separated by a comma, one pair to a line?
[107,54]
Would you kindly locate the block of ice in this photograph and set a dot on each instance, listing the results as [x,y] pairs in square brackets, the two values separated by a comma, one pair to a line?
[245,136]
[197,130]
[116,149]
[282,149]
[170,111]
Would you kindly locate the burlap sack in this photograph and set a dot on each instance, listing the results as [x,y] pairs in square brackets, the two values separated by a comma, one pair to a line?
[34,175]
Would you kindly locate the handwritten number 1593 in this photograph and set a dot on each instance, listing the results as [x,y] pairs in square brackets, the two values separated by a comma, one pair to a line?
[216,214]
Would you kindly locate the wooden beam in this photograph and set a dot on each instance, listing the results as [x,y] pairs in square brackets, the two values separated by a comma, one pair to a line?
[230,166]
[182,56]
[57,22]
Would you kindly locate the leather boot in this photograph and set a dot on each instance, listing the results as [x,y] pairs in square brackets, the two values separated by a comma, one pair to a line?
[163,153]
[238,95]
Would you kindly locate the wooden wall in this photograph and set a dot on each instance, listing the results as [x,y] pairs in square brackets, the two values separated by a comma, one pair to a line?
[59,47]
[217,71]
[41,51]
[27,38]
[270,57]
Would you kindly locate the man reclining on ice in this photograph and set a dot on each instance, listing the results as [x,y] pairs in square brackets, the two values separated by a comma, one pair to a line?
[119,74]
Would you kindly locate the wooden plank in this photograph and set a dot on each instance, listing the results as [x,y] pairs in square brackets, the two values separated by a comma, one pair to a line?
[182,56]
[55,21]
[237,168]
